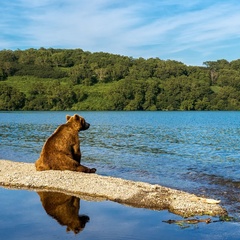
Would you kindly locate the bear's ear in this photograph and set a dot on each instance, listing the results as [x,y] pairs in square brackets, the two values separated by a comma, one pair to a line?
[68,117]
[76,117]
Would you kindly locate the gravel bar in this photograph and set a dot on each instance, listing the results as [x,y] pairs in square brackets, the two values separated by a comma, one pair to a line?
[96,187]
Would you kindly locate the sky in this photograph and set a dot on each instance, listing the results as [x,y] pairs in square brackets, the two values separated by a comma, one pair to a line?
[189,31]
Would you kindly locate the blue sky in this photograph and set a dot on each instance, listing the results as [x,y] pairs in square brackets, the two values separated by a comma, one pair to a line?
[190,31]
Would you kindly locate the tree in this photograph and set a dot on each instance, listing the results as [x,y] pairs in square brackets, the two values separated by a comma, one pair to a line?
[11,98]
[121,94]
[213,71]
[3,75]
[228,98]
[137,98]
[61,97]
[82,74]
[152,90]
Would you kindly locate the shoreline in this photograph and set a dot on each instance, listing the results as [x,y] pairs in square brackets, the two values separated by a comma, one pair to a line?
[95,187]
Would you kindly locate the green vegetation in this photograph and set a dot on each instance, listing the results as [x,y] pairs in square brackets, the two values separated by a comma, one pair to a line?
[62,79]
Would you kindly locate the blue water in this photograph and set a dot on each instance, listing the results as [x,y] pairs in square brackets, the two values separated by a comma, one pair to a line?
[187,150]
[27,219]
[194,151]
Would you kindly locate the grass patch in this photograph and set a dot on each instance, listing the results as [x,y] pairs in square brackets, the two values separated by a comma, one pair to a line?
[26,83]
[96,97]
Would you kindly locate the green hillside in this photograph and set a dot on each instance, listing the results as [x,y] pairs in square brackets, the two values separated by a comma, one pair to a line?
[71,79]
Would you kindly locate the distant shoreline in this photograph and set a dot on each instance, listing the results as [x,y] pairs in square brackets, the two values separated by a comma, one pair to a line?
[35,79]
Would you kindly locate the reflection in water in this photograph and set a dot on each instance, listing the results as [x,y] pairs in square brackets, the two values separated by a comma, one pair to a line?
[65,209]
[22,217]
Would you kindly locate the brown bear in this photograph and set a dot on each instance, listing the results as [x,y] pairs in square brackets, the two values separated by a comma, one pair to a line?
[61,151]
[65,209]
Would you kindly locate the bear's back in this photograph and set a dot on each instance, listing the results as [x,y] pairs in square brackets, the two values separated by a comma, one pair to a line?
[62,139]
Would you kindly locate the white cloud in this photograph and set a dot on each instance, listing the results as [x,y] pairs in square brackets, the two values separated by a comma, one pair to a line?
[79,24]
[134,28]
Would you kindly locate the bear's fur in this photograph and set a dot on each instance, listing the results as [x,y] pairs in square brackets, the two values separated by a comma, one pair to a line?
[61,151]
[65,209]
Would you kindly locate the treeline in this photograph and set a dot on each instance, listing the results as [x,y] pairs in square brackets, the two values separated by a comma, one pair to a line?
[66,79]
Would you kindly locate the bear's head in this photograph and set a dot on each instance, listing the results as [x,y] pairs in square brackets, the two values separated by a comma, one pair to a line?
[77,224]
[78,122]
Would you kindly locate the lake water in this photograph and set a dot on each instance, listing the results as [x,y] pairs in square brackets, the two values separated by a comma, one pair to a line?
[198,152]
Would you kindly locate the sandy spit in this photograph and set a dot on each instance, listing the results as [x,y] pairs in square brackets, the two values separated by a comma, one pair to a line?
[95,187]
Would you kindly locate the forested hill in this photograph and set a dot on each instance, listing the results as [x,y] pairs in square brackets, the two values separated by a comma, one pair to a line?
[66,79]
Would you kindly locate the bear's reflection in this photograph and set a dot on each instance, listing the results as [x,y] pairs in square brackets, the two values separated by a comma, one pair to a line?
[65,209]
